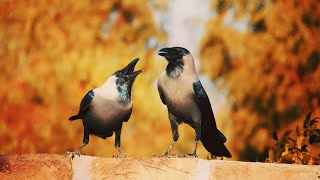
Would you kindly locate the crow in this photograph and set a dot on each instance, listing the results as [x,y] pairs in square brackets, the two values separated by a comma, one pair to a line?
[104,109]
[187,102]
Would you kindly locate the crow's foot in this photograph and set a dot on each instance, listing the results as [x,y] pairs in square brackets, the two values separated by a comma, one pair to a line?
[119,156]
[193,155]
[167,155]
[71,155]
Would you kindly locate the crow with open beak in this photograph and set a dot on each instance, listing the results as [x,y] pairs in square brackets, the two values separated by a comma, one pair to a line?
[104,109]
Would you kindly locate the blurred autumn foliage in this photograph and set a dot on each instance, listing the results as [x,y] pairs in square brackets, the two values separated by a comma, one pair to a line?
[271,69]
[53,51]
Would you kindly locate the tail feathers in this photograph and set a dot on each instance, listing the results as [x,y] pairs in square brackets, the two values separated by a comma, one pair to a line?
[78,116]
[212,139]
[222,137]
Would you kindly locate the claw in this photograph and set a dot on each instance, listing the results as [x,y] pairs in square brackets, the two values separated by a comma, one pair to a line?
[119,156]
[71,155]
[167,155]
[193,155]
[214,157]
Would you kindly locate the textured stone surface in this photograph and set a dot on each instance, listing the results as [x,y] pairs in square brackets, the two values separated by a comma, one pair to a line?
[140,168]
[35,166]
[41,166]
[252,170]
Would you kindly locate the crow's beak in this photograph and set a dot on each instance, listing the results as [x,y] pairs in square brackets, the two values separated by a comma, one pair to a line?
[130,67]
[132,75]
[171,54]
[164,52]
[128,73]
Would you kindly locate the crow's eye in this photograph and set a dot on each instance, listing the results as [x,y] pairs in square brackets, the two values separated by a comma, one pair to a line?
[119,74]
[178,55]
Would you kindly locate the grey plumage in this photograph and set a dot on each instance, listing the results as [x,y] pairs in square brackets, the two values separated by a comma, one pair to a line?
[187,102]
[104,109]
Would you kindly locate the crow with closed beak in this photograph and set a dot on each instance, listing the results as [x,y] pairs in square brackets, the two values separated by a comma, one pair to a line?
[187,102]
[104,109]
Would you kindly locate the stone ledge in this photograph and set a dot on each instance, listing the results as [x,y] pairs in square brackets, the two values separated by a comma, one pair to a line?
[42,166]
[35,166]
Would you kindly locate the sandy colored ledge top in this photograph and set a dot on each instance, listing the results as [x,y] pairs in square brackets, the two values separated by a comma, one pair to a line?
[35,166]
[49,166]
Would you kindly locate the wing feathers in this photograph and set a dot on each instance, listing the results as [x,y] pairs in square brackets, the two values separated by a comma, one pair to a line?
[84,105]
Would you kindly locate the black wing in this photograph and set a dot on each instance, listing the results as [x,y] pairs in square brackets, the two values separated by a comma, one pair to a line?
[84,105]
[86,101]
[212,139]
[222,137]
[201,97]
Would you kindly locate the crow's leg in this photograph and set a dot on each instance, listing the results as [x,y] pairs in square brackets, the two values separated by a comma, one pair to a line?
[175,133]
[77,151]
[117,144]
[197,128]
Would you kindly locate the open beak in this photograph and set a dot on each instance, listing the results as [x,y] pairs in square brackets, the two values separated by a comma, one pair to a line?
[130,67]
[132,75]
[128,72]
